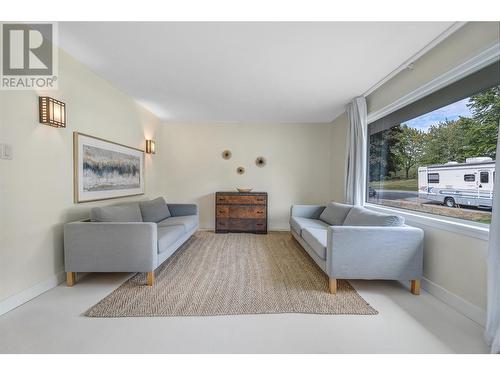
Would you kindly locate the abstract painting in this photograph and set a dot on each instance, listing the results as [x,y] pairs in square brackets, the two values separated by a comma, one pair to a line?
[105,169]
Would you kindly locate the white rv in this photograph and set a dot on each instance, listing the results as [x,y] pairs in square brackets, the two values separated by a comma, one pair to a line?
[469,183]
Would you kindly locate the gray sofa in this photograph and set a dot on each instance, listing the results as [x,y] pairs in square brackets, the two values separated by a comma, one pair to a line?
[352,242]
[132,237]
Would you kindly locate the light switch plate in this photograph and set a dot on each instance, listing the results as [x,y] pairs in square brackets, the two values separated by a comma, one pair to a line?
[5,151]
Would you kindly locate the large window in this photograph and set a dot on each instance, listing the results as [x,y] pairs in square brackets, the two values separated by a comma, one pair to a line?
[437,155]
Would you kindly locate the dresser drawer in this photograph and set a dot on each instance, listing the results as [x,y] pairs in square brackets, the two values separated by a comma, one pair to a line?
[221,211]
[247,212]
[221,225]
[247,225]
[261,226]
[241,199]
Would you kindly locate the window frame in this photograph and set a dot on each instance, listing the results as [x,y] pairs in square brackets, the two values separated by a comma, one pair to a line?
[467,177]
[487,58]
[463,227]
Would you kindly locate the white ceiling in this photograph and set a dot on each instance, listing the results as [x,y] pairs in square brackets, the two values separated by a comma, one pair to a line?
[245,72]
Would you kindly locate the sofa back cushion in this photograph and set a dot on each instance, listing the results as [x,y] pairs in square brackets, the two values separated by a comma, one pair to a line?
[335,213]
[359,216]
[154,210]
[120,213]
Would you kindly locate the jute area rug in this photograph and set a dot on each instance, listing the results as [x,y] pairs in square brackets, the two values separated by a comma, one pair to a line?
[230,274]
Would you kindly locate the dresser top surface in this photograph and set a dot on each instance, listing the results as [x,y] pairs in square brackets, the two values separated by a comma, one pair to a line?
[238,193]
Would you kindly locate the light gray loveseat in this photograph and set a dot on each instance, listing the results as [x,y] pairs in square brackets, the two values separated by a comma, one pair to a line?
[352,242]
[132,237]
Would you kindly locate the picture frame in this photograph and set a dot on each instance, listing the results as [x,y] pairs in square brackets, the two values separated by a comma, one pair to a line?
[104,169]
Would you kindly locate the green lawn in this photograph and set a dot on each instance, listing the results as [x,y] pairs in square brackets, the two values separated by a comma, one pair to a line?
[409,185]
[485,220]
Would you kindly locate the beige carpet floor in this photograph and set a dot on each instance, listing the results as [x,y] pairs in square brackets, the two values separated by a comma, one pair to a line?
[230,274]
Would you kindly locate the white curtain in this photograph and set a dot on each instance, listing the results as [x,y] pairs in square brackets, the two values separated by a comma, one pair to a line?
[493,310]
[356,152]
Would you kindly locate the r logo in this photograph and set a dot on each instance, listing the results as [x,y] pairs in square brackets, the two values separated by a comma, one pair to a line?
[27,49]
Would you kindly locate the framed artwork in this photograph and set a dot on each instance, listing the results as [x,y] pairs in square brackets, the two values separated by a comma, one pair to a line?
[105,169]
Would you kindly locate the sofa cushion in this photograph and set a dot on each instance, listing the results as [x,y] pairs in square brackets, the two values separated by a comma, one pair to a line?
[316,238]
[298,223]
[154,210]
[188,222]
[168,235]
[118,213]
[335,213]
[359,216]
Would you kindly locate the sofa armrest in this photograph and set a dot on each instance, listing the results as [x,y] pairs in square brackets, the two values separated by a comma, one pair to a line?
[310,211]
[375,252]
[179,209]
[110,247]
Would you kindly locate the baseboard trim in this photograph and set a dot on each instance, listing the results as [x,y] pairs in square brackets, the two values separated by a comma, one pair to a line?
[464,307]
[16,300]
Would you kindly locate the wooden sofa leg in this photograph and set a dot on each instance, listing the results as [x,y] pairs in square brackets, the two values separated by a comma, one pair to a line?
[415,287]
[70,278]
[151,278]
[332,285]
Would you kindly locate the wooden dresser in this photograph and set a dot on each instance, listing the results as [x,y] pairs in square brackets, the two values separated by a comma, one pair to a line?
[240,212]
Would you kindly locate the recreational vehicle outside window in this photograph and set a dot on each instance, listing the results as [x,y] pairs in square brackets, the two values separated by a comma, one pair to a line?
[423,157]
[433,178]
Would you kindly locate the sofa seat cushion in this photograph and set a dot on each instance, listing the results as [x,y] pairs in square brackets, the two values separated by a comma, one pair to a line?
[359,216]
[167,236]
[335,213]
[316,238]
[118,213]
[298,223]
[188,222]
[155,210]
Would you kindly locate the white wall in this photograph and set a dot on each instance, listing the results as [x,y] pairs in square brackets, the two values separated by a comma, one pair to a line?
[36,187]
[452,261]
[297,171]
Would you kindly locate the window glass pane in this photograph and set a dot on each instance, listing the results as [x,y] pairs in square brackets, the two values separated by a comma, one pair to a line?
[433,178]
[430,163]
[484,177]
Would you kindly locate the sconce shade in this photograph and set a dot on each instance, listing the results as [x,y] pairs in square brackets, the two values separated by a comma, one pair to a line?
[150,146]
[52,112]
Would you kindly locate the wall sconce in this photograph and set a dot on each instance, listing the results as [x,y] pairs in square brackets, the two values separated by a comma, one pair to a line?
[150,146]
[52,112]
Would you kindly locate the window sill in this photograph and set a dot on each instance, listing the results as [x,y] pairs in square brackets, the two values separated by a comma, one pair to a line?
[434,221]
